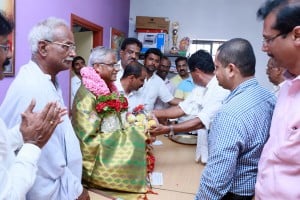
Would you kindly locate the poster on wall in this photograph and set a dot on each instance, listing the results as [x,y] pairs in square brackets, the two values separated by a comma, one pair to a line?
[116,39]
[8,8]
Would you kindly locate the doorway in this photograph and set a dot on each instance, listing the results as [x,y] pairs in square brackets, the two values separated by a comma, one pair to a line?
[87,36]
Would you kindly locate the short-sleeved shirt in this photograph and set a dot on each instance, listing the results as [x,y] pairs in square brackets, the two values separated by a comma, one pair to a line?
[154,88]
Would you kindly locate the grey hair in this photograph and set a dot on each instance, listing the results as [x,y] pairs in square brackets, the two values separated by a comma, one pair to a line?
[98,55]
[44,30]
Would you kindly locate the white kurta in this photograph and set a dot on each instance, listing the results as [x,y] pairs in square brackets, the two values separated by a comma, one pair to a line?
[60,164]
[17,174]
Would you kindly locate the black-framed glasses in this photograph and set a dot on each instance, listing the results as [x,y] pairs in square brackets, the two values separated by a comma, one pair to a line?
[5,47]
[67,47]
[112,65]
[271,39]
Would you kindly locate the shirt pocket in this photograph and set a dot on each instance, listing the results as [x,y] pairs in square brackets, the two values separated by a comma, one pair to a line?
[289,149]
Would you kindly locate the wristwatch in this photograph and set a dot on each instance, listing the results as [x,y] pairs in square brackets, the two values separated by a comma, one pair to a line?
[171,133]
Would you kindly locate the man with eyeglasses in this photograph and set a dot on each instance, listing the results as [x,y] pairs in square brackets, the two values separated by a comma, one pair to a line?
[60,165]
[130,52]
[279,166]
[20,146]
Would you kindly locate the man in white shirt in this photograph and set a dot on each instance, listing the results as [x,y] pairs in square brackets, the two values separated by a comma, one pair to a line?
[130,51]
[60,164]
[203,102]
[18,172]
[162,71]
[133,78]
[77,63]
[154,87]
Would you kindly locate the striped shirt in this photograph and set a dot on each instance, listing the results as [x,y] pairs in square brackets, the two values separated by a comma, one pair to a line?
[236,138]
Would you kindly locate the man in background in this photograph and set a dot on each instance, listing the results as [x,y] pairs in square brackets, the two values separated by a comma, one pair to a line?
[130,51]
[275,74]
[77,63]
[132,80]
[183,82]
[162,71]
[154,87]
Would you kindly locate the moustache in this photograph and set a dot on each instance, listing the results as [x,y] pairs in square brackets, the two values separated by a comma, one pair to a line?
[69,59]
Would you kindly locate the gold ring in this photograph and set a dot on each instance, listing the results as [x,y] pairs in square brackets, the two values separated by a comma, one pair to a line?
[51,122]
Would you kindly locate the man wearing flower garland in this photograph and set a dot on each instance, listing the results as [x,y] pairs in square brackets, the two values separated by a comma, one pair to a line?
[111,148]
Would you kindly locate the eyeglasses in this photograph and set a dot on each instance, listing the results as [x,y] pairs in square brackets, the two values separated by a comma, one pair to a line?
[112,65]
[67,47]
[5,47]
[271,39]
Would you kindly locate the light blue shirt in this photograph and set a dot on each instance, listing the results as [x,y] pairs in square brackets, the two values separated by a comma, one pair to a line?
[236,138]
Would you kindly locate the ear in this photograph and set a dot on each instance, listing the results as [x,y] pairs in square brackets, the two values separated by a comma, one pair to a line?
[296,35]
[231,69]
[121,53]
[43,48]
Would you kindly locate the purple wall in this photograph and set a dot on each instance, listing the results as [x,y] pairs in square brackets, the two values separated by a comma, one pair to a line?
[106,13]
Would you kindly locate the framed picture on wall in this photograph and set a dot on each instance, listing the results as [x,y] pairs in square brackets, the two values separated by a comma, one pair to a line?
[8,8]
[116,38]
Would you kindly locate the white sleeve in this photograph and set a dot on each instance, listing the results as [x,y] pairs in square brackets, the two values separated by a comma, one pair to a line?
[192,105]
[211,104]
[19,177]
[15,137]
[164,93]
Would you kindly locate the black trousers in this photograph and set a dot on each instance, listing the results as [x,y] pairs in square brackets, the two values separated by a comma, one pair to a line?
[231,196]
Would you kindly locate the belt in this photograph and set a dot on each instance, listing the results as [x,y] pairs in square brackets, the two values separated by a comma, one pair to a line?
[232,196]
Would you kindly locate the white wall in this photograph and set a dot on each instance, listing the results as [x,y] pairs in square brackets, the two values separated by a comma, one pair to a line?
[209,19]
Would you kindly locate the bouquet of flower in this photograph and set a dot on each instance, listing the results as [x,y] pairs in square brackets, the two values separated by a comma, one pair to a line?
[111,103]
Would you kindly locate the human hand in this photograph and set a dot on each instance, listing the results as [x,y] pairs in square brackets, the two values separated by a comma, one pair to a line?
[37,127]
[84,195]
[159,129]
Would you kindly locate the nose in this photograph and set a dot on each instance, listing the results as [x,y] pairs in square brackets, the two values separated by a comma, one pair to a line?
[72,52]
[264,47]
[9,54]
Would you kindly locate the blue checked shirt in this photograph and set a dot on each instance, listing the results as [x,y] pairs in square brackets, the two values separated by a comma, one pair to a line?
[236,138]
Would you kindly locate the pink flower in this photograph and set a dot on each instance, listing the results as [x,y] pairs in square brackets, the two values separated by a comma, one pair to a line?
[94,83]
